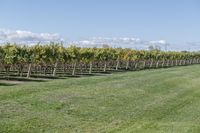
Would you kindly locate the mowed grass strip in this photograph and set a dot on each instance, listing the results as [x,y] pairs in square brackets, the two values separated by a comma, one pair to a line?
[164,100]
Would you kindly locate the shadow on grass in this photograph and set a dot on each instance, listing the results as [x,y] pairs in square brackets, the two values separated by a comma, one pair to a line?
[45,77]
[21,79]
[6,84]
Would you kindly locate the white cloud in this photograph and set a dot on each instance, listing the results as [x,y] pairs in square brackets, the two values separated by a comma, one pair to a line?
[158,42]
[20,36]
[27,37]
[125,42]
[99,41]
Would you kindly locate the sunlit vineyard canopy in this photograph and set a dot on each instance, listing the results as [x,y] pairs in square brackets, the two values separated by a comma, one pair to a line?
[54,59]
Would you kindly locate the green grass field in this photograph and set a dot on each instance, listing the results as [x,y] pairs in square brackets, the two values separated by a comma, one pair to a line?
[155,101]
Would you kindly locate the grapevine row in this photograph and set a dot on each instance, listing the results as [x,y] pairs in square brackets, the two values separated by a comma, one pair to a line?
[54,59]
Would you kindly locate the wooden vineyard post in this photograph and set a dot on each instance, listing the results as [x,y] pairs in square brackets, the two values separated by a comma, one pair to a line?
[127,65]
[55,68]
[144,65]
[74,68]
[136,64]
[163,63]
[117,66]
[90,71]
[157,64]
[29,71]
[105,65]
[151,64]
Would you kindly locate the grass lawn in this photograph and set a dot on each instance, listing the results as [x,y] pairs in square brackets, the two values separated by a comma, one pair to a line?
[155,101]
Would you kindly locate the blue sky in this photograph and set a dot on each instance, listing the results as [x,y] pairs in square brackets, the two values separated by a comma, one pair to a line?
[176,21]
